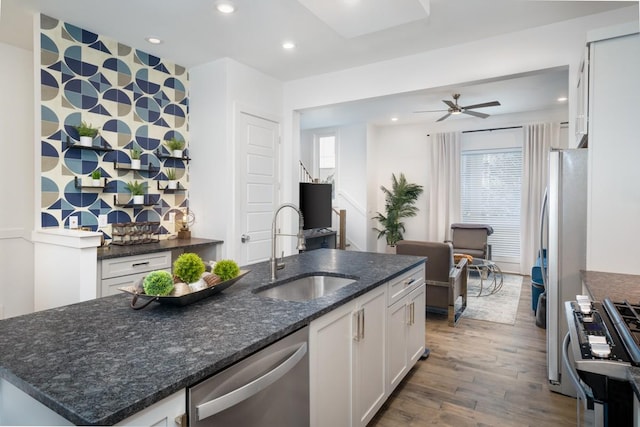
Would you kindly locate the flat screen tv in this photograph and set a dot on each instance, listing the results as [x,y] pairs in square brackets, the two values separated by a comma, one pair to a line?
[315,204]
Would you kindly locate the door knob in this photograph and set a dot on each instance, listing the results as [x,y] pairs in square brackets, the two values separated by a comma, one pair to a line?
[245,238]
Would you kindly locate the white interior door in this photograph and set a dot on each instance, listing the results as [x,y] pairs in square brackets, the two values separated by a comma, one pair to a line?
[258,184]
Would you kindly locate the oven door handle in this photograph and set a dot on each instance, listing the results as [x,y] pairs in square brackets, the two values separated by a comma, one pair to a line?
[212,407]
[573,374]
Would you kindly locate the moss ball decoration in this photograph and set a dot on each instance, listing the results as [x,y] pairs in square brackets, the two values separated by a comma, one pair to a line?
[188,267]
[226,269]
[158,283]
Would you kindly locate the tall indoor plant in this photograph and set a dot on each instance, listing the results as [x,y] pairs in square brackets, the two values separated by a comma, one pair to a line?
[399,203]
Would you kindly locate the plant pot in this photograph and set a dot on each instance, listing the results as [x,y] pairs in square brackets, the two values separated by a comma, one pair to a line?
[86,141]
[177,153]
[96,182]
[138,199]
[391,249]
[135,163]
[173,184]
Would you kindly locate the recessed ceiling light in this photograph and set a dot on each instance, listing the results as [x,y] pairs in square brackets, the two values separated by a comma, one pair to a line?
[394,119]
[288,45]
[562,99]
[225,8]
[153,40]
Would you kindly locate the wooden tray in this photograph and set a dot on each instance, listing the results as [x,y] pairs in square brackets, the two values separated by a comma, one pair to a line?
[182,299]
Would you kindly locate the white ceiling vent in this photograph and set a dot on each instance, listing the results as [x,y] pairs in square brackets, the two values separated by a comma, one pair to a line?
[353,18]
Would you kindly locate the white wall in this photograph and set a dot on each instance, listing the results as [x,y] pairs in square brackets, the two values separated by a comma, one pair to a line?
[17,194]
[351,167]
[219,91]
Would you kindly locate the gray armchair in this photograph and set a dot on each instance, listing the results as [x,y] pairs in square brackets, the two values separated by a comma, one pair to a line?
[446,282]
[471,239]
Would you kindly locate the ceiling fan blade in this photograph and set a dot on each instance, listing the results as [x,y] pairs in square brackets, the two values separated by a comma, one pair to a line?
[443,117]
[475,113]
[484,104]
[430,111]
[450,104]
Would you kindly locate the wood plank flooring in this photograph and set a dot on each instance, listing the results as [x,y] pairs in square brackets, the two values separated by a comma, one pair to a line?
[480,374]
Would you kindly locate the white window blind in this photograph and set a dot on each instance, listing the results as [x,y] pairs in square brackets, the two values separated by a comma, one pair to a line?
[490,194]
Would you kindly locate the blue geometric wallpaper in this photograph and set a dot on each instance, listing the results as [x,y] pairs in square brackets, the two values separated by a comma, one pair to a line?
[136,100]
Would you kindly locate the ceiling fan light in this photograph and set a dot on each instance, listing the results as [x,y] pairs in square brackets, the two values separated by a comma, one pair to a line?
[456,112]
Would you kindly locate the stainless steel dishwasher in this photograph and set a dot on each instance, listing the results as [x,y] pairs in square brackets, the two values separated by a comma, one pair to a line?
[268,388]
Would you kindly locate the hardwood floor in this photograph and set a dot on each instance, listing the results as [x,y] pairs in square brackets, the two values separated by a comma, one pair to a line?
[480,374]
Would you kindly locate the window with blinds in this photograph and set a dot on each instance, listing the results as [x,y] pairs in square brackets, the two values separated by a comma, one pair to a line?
[490,194]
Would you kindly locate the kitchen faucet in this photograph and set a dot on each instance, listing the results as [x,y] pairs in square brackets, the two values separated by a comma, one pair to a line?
[301,246]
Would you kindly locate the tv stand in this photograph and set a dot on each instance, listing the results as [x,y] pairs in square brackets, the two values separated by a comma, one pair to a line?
[320,238]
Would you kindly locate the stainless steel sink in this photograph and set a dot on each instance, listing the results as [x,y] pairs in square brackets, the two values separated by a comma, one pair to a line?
[306,288]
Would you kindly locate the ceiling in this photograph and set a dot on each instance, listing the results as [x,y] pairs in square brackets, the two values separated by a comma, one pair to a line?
[329,35]
[517,94]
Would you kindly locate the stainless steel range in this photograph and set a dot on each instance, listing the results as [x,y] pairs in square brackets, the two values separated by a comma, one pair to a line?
[602,342]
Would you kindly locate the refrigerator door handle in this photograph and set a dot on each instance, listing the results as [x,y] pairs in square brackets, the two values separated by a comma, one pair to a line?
[543,212]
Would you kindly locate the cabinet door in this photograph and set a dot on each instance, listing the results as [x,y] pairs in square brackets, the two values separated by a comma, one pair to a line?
[369,355]
[415,325]
[110,286]
[396,344]
[330,367]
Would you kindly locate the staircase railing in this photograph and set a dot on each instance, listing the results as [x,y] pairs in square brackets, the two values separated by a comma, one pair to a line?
[304,174]
[342,228]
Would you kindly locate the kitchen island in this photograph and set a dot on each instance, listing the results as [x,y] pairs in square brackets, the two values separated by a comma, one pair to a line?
[99,362]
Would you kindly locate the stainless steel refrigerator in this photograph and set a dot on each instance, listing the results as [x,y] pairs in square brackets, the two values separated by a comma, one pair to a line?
[563,229]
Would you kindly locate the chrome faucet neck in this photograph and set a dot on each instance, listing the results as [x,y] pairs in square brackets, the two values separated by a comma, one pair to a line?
[301,241]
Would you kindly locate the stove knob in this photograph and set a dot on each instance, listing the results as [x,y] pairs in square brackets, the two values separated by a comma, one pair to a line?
[602,351]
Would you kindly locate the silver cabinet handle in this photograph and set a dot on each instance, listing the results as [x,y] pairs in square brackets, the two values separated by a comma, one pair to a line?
[362,331]
[413,313]
[138,264]
[409,282]
[212,407]
[245,238]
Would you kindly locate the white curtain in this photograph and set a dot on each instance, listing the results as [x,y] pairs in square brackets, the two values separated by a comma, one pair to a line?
[443,186]
[538,140]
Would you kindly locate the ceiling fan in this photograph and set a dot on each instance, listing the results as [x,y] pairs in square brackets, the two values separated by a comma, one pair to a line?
[454,108]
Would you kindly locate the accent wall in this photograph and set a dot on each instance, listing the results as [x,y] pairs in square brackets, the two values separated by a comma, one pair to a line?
[137,101]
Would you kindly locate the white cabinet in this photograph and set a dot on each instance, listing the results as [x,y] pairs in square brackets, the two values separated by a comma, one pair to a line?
[613,203]
[114,273]
[369,355]
[18,408]
[582,100]
[168,412]
[405,328]
[347,362]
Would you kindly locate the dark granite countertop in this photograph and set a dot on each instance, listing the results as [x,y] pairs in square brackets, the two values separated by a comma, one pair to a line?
[115,251]
[616,286]
[99,362]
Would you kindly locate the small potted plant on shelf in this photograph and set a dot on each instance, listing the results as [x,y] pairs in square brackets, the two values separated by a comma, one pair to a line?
[137,190]
[135,157]
[87,133]
[173,180]
[175,146]
[95,176]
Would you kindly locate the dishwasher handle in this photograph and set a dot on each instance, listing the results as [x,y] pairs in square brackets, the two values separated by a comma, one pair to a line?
[244,392]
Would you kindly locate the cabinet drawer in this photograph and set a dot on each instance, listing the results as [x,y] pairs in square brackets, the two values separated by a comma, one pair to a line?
[110,286]
[401,286]
[116,267]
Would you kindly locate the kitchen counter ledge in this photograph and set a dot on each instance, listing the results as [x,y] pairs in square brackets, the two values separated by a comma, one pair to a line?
[99,362]
[616,286]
